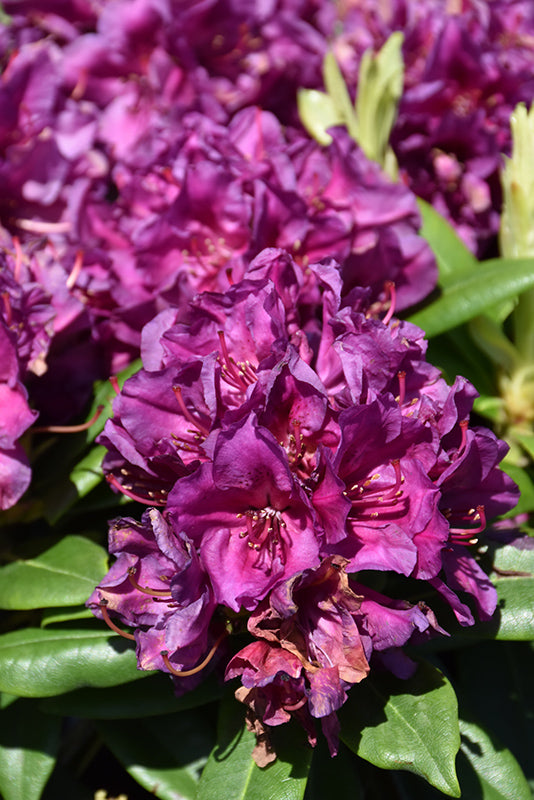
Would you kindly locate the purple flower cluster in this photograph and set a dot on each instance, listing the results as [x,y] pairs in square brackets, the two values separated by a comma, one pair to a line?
[291,439]
[468,64]
[159,197]
[137,169]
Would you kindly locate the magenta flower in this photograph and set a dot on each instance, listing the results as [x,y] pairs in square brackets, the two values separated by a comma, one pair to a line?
[251,520]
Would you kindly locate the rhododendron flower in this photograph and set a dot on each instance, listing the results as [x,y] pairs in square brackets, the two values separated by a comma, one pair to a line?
[454,116]
[295,440]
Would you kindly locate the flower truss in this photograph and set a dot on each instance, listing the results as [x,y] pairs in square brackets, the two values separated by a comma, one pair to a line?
[291,439]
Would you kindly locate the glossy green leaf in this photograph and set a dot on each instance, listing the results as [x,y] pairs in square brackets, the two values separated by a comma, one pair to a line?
[7,699]
[410,725]
[489,407]
[326,772]
[452,255]
[56,616]
[497,772]
[516,607]
[456,354]
[82,471]
[525,439]
[526,487]
[64,575]
[468,294]
[513,561]
[128,702]
[495,680]
[104,396]
[29,743]
[88,472]
[231,773]
[491,339]
[164,754]
[36,662]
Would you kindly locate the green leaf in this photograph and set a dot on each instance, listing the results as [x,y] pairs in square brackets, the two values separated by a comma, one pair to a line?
[496,770]
[36,662]
[526,487]
[456,354]
[55,616]
[127,702]
[516,606]
[104,396]
[525,439]
[88,472]
[512,559]
[491,339]
[82,471]
[452,255]
[489,407]
[65,575]
[317,113]
[29,743]
[410,725]
[466,295]
[380,82]
[231,773]
[164,754]
[326,772]
[337,89]
[495,680]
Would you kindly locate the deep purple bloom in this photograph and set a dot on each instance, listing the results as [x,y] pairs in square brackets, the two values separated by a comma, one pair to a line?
[251,520]
[157,586]
[466,70]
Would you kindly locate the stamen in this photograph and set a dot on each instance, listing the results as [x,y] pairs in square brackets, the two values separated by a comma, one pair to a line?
[8,311]
[231,374]
[464,424]
[187,414]
[115,384]
[401,375]
[146,589]
[39,226]
[112,480]
[389,286]
[73,277]
[296,706]
[365,495]
[460,535]
[84,426]
[102,606]
[18,258]
[187,672]
[260,146]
